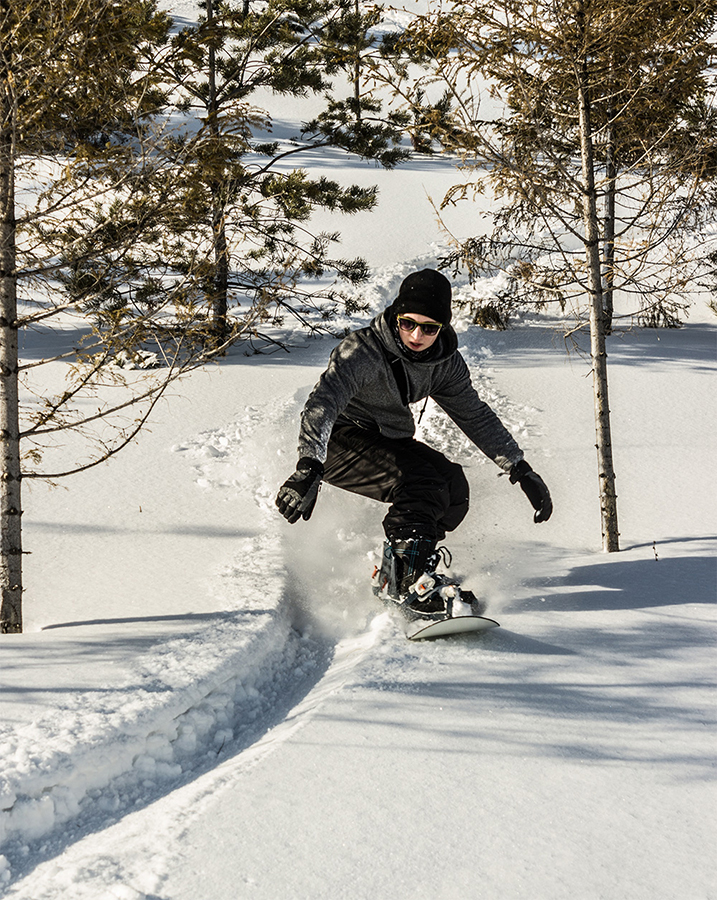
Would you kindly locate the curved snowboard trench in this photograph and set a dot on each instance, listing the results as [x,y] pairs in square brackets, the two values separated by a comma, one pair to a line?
[195,700]
[109,852]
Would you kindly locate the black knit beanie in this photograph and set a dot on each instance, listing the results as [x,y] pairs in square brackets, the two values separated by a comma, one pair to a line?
[427,293]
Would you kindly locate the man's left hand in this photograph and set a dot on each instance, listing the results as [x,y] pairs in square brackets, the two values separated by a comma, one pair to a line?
[534,489]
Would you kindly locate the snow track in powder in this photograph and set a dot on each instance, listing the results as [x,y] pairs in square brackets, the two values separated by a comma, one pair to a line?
[203,706]
[110,856]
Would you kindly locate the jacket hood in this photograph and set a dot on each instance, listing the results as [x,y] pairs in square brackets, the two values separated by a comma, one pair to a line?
[444,347]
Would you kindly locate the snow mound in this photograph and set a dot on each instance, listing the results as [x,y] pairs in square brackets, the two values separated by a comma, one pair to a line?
[187,696]
[186,699]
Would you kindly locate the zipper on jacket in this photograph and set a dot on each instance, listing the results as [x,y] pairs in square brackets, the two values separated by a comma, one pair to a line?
[399,373]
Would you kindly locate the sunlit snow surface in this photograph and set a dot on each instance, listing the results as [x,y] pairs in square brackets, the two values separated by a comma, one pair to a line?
[208,702]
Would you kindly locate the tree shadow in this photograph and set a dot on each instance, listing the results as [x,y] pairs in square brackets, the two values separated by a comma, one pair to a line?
[96,656]
[628,584]
[204,530]
[188,618]
[667,348]
[660,349]
[631,687]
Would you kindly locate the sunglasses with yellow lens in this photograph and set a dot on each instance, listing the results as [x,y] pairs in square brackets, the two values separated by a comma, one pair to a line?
[427,328]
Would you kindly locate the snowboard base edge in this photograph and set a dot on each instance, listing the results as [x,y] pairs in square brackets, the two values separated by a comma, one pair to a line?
[420,629]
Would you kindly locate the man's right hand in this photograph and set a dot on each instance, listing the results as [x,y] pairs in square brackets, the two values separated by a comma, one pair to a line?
[297,496]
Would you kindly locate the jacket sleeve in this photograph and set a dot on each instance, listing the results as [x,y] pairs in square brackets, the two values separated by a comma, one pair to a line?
[349,367]
[459,399]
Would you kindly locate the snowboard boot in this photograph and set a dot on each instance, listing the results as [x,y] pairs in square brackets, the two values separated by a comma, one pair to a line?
[436,596]
[407,576]
[403,561]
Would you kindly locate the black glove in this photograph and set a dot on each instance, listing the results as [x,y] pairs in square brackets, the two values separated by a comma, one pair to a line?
[534,489]
[297,495]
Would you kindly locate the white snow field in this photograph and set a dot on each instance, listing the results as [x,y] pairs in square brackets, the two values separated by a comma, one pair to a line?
[208,703]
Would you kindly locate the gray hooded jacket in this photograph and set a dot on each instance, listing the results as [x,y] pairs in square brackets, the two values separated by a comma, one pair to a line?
[361,385]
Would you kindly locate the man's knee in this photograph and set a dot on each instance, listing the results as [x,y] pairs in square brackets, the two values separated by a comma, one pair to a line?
[458,482]
[458,500]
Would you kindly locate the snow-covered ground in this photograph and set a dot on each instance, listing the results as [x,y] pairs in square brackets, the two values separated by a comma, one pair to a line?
[207,703]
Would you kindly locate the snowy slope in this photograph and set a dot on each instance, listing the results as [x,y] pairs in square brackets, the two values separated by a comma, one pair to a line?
[208,704]
[568,754]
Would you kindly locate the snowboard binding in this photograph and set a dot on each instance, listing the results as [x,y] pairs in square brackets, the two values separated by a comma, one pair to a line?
[407,579]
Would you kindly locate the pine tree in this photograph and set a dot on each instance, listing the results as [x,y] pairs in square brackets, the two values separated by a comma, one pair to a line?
[654,134]
[656,147]
[598,156]
[240,207]
[75,86]
[132,229]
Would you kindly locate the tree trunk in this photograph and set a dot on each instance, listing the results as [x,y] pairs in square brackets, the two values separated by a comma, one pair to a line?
[606,472]
[611,188]
[10,475]
[219,301]
[357,66]
[220,286]
[609,229]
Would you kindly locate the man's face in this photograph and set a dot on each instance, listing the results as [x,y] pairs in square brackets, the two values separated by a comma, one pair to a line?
[414,338]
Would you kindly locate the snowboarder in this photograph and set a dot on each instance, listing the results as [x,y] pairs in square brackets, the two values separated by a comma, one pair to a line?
[357,433]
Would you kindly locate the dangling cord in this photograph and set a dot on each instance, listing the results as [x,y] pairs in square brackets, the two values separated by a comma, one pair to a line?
[440,555]
[420,415]
[446,555]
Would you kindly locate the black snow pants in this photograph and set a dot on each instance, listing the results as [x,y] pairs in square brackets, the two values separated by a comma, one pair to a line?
[428,494]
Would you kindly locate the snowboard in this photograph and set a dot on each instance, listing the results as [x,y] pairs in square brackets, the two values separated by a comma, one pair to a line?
[423,629]
[466,608]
